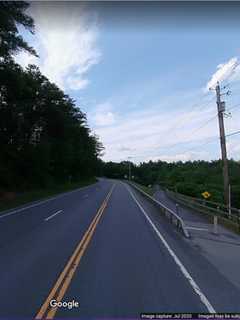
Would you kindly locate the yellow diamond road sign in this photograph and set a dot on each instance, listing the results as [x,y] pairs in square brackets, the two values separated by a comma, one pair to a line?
[206,194]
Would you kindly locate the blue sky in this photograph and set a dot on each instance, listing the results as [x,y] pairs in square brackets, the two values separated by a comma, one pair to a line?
[140,74]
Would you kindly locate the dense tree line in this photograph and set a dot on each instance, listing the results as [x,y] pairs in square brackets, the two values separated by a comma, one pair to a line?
[190,178]
[44,136]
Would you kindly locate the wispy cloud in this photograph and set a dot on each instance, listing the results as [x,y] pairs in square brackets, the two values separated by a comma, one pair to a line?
[153,134]
[160,132]
[103,115]
[224,71]
[66,40]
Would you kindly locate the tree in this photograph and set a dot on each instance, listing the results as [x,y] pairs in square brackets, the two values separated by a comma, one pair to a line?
[44,135]
[190,178]
[13,14]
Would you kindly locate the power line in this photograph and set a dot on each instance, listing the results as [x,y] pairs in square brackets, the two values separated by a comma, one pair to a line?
[204,125]
[186,115]
[213,139]
[194,131]
[235,106]
[233,84]
[233,71]
[233,133]
[221,109]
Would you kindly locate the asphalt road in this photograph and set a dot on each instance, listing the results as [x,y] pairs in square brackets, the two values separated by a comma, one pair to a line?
[108,249]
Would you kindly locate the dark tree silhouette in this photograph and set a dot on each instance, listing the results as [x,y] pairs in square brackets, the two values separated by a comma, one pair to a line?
[12,14]
[44,136]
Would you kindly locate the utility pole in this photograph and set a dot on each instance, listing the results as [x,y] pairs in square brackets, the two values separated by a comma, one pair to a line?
[221,109]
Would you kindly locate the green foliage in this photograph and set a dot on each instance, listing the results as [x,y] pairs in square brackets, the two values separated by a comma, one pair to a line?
[44,135]
[38,194]
[189,178]
[115,170]
[12,15]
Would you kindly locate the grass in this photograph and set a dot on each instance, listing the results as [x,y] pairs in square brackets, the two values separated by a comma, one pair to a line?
[41,194]
[148,190]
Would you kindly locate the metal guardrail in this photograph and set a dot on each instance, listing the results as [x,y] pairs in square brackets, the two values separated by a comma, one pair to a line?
[219,208]
[171,215]
[203,208]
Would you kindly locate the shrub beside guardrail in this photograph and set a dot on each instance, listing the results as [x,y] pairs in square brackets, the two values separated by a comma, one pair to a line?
[172,216]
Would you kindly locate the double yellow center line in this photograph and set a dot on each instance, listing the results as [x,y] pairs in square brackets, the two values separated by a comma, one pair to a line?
[59,289]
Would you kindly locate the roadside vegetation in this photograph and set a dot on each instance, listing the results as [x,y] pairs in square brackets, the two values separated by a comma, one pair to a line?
[147,189]
[13,200]
[46,144]
[189,178]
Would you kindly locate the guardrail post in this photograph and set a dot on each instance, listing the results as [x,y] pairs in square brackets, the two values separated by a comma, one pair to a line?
[172,215]
[177,209]
[177,212]
[215,225]
[164,211]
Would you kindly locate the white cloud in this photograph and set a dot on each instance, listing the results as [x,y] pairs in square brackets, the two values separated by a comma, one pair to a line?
[75,83]
[103,115]
[233,148]
[224,71]
[150,134]
[66,40]
[125,149]
[104,119]
[160,132]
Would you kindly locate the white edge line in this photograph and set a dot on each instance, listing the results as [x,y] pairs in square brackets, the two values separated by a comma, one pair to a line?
[185,232]
[186,274]
[199,229]
[53,215]
[41,202]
